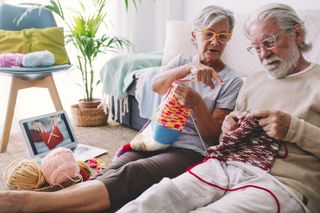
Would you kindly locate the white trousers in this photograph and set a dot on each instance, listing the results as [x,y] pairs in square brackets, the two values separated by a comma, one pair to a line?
[187,193]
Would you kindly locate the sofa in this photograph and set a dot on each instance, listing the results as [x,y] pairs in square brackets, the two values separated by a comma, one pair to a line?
[139,95]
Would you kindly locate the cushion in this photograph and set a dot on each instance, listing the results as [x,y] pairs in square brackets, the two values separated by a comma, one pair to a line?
[32,40]
[178,40]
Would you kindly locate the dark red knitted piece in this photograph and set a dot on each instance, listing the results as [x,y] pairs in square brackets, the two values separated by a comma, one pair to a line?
[248,143]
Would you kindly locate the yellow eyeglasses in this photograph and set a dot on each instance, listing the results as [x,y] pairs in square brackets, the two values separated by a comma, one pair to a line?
[210,35]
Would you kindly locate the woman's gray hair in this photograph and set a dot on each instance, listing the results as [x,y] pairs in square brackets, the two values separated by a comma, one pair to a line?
[211,15]
[285,15]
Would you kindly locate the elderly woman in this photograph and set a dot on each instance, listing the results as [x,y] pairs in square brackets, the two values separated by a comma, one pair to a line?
[211,97]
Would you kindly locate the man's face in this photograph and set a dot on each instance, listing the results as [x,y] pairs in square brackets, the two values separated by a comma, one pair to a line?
[276,48]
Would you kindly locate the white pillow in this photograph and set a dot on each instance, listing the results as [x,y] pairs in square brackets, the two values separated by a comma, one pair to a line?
[311,19]
[178,40]
[236,55]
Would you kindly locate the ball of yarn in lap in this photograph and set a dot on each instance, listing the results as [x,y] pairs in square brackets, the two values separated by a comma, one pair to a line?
[24,175]
[85,171]
[59,166]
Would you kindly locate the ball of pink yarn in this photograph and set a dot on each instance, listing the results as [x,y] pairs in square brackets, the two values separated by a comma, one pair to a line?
[11,59]
[59,166]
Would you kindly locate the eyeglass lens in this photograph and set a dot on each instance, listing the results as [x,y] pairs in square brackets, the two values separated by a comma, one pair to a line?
[210,35]
[268,43]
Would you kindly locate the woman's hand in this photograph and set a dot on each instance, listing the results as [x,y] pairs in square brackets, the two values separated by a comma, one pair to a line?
[54,122]
[275,123]
[37,126]
[205,74]
[187,96]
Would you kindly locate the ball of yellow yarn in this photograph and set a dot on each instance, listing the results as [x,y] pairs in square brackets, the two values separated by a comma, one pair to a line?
[24,175]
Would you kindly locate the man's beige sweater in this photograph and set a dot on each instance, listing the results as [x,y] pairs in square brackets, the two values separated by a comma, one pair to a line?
[298,95]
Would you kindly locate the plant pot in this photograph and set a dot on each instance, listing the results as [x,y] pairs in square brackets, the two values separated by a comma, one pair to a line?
[89,104]
[89,116]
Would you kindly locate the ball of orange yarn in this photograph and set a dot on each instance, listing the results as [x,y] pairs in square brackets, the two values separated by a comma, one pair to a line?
[85,171]
[59,166]
[24,175]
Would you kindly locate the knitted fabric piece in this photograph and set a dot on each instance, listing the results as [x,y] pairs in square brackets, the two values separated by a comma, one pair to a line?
[249,144]
[170,120]
[52,138]
[172,114]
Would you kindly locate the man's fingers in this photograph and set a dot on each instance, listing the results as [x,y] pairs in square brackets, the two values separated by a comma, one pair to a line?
[259,114]
[263,122]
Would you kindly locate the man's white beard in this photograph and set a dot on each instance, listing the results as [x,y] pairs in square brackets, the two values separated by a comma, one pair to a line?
[283,67]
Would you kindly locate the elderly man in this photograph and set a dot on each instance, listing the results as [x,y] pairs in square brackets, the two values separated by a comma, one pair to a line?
[285,102]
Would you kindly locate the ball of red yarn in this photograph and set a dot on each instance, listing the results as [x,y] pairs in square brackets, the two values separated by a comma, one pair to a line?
[84,170]
[59,166]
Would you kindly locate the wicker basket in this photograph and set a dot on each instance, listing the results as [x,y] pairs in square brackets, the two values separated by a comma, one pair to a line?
[89,116]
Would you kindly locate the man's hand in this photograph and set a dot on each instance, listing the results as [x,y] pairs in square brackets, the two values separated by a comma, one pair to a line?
[275,123]
[231,121]
[205,74]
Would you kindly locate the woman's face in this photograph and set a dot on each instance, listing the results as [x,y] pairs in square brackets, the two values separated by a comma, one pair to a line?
[210,50]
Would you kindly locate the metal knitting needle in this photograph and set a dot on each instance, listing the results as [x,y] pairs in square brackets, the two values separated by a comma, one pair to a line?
[246,112]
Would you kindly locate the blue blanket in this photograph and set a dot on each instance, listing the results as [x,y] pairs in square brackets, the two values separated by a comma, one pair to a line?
[118,72]
[149,101]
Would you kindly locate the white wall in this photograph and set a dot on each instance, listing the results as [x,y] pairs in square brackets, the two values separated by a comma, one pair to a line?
[192,7]
[151,18]
[153,14]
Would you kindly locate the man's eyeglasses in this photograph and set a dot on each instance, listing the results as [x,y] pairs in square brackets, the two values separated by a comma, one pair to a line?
[268,43]
[209,35]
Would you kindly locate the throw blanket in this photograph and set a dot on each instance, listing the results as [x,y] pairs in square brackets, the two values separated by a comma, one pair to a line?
[248,143]
[148,101]
[117,73]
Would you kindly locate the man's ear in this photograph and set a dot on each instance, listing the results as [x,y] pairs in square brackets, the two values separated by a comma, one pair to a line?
[300,34]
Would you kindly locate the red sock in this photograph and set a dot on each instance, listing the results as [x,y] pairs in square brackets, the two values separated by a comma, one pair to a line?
[123,149]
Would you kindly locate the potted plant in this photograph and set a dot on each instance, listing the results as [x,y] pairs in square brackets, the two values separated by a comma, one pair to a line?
[88,41]
[83,33]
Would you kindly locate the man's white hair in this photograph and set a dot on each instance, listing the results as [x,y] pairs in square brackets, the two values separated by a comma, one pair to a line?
[285,15]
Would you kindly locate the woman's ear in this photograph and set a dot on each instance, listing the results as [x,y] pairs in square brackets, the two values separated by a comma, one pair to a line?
[193,38]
